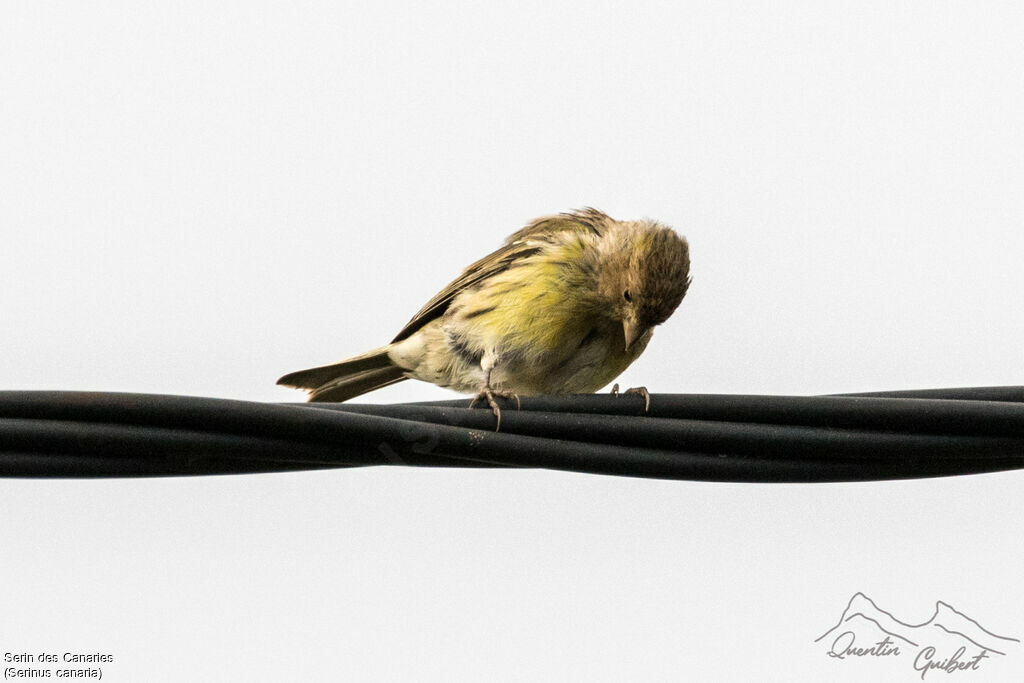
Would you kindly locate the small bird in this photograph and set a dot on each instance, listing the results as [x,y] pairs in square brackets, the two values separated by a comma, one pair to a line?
[563,306]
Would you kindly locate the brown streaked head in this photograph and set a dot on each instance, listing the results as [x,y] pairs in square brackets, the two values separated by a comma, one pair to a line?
[646,277]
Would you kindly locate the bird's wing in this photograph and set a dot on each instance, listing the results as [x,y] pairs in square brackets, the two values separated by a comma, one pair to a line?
[491,264]
[524,243]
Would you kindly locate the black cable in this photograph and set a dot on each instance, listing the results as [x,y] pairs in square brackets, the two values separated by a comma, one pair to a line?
[907,415]
[705,437]
[81,466]
[1010,394]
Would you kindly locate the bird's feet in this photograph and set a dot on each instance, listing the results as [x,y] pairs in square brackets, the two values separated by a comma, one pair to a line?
[640,391]
[488,394]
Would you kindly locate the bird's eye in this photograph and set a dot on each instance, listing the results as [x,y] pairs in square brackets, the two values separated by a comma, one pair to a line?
[627,296]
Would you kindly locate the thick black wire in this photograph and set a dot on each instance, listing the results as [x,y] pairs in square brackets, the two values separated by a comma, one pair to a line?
[704,436]
[1011,394]
[901,415]
[707,437]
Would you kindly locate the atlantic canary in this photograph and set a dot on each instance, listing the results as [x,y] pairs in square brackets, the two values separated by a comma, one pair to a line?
[563,306]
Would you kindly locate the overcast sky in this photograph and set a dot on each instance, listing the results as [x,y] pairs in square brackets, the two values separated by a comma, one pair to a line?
[198,197]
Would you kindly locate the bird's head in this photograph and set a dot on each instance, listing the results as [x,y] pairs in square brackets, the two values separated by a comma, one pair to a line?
[643,277]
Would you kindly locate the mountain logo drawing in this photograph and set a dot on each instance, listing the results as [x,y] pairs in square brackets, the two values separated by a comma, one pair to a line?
[950,641]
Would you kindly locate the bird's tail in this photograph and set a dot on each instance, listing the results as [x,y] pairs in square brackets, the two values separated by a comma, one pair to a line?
[348,378]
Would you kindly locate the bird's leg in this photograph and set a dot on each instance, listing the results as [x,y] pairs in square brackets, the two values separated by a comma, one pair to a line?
[640,391]
[487,393]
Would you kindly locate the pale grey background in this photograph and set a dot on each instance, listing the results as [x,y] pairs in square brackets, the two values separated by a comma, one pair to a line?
[197,197]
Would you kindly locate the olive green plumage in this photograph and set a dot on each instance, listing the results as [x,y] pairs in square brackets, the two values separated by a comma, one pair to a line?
[564,306]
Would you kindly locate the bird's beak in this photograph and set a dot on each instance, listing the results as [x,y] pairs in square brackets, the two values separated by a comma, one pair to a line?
[633,331]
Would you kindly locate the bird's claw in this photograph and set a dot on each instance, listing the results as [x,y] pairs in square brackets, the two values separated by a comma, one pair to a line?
[639,391]
[490,396]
